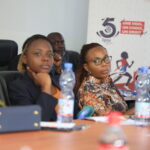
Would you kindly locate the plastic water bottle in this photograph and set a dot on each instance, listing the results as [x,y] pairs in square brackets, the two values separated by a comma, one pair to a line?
[113,138]
[66,98]
[67,78]
[149,81]
[142,104]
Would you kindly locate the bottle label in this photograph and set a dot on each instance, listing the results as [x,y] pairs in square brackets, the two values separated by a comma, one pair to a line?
[65,107]
[112,147]
[142,110]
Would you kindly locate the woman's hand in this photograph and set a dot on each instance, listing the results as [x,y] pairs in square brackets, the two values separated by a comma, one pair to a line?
[41,79]
[104,112]
[58,62]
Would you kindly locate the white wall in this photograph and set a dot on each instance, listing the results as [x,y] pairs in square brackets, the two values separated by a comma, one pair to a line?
[23,18]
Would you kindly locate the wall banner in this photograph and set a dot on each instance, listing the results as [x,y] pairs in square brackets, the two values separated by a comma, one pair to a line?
[123,27]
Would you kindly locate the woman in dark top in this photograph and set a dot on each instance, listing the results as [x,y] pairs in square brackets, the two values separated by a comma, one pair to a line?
[36,85]
[94,86]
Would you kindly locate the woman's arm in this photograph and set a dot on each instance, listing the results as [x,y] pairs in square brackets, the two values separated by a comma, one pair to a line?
[100,107]
[26,93]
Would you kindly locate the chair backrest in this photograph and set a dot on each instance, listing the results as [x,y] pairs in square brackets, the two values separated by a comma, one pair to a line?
[5,78]
[8,51]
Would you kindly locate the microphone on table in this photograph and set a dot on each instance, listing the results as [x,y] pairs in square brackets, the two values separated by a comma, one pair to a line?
[87,111]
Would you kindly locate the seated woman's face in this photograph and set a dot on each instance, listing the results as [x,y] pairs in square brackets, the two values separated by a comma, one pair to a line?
[39,56]
[98,62]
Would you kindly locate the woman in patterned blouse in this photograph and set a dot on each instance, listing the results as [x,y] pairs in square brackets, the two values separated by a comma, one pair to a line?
[94,86]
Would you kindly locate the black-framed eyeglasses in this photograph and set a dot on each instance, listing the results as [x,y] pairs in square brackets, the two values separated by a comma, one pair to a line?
[98,61]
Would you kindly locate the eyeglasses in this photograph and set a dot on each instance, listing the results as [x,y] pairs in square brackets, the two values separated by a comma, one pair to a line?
[98,61]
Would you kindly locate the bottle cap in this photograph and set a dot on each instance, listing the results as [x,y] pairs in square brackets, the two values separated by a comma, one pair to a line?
[114,118]
[143,69]
[68,66]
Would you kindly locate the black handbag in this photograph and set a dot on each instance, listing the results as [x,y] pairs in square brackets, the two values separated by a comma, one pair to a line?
[20,118]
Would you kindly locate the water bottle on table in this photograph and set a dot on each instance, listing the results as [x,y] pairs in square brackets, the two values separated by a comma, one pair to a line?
[142,104]
[113,138]
[66,98]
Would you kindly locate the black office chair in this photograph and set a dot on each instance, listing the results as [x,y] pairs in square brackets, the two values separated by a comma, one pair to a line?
[8,51]
[5,78]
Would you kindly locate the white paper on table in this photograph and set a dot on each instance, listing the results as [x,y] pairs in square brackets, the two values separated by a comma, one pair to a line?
[104,120]
[57,125]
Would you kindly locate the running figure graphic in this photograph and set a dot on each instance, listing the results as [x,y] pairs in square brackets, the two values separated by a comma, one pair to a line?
[122,65]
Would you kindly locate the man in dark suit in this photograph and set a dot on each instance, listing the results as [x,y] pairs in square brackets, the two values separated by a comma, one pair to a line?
[58,44]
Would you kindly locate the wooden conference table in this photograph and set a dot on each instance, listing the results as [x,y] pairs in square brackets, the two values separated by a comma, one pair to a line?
[87,139]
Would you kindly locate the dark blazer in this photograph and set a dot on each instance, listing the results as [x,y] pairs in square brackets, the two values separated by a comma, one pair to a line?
[23,91]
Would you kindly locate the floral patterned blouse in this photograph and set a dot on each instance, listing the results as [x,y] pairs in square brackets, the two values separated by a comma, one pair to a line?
[102,95]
